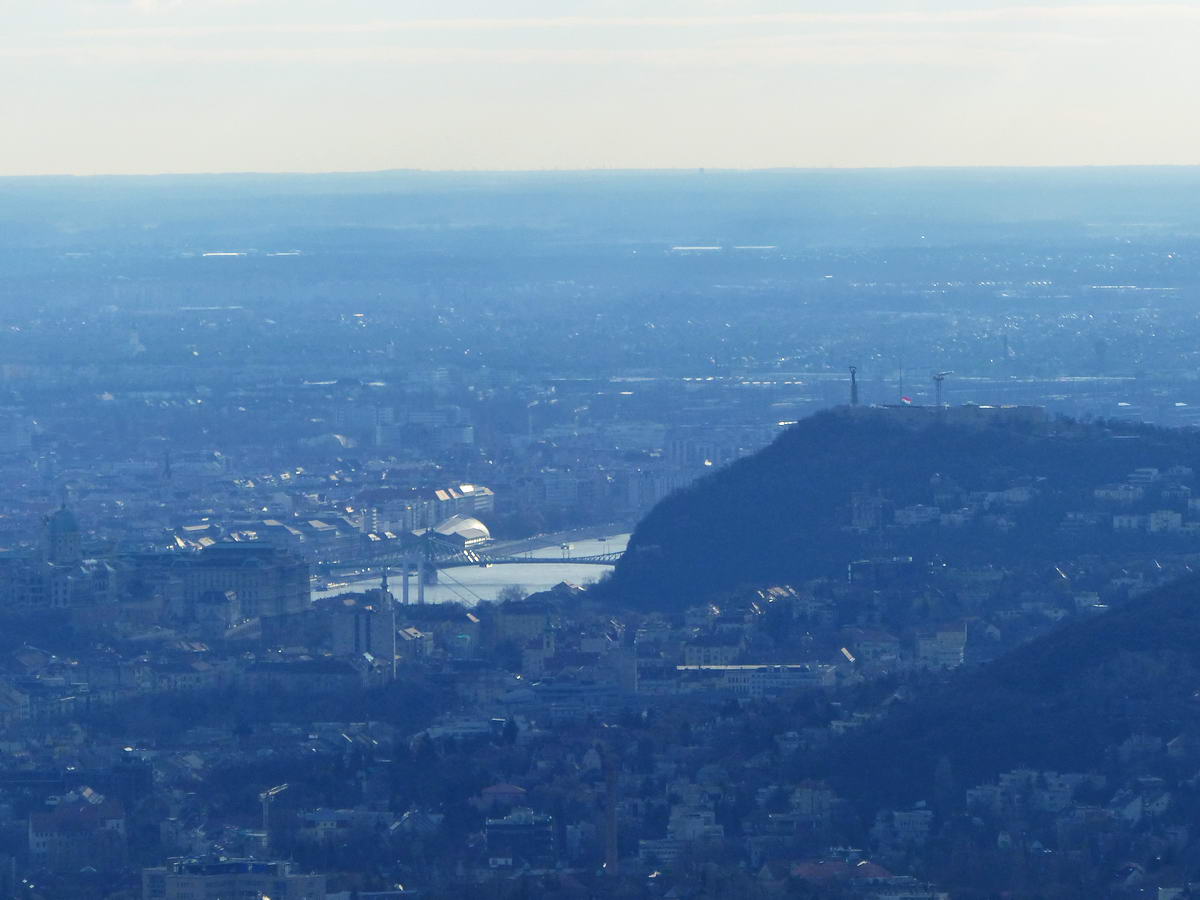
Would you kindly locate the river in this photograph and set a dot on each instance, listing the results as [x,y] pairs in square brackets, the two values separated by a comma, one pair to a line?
[471,584]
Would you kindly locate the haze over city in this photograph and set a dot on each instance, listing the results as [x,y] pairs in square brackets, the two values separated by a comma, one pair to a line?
[264,85]
[664,451]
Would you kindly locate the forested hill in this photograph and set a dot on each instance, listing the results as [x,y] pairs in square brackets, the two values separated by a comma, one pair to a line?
[1064,702]
[803,507]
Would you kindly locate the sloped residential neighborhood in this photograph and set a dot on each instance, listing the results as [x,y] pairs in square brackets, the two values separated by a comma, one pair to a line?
[193,717]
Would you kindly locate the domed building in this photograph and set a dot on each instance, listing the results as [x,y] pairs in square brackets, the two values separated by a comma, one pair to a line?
[464,531]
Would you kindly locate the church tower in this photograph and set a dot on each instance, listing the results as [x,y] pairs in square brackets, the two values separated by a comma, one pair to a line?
[61,542]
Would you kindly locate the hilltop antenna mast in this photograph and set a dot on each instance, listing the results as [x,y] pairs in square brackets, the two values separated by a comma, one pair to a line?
[854,385]
[938,378]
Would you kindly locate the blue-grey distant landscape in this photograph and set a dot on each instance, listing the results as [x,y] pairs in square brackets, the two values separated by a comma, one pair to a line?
[777,533]
[664,451]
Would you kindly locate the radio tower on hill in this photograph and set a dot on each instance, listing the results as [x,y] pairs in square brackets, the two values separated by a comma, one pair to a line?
[938,378]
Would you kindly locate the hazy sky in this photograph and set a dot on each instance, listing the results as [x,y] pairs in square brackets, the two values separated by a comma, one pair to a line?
[311,85]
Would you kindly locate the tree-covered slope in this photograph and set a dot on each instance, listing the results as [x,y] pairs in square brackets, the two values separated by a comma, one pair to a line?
[1062,702]
[779,516]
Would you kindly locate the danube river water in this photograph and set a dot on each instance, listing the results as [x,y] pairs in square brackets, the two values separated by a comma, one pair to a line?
[471,584]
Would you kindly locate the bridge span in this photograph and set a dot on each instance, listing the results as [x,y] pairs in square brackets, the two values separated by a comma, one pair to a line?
[456,559]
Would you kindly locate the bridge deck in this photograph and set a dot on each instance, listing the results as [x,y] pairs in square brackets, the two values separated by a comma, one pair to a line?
[467,558]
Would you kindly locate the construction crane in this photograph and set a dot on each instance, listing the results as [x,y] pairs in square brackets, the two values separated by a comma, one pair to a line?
[267,797]
[938,378]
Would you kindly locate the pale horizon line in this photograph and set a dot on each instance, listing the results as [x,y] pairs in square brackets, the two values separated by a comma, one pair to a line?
[614,170]
[1089,12]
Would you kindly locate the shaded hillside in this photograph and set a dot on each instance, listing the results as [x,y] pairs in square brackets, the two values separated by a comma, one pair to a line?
[1064,702]
[781,516]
